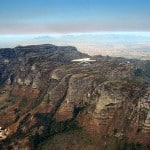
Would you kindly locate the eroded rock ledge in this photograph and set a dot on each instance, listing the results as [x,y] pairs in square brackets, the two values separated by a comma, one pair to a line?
[43,93]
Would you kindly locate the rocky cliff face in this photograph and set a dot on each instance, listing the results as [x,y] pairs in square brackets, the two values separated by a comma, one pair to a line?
[42,93]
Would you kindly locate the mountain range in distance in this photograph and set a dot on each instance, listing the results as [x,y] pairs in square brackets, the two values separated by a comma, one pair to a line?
[120,44]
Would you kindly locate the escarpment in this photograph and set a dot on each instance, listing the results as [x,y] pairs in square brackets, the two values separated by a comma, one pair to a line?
[45,96]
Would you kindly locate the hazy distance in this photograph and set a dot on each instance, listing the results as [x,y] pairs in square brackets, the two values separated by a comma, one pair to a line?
[124,44]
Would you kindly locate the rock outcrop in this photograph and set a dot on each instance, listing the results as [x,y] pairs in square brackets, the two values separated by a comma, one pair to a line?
[43,93]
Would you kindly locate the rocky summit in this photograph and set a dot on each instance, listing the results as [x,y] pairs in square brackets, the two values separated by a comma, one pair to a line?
[49,102]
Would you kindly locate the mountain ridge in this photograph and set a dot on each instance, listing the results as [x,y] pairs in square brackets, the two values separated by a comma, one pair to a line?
[43,94]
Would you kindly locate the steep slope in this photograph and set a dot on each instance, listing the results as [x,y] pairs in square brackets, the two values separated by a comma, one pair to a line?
[43,94]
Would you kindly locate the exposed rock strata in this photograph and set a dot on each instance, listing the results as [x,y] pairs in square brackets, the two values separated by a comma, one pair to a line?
[43,93]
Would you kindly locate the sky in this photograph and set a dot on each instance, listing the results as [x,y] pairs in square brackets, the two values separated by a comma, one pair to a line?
[19,17]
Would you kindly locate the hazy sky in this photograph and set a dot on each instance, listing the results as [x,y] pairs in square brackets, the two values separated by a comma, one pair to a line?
[71,16]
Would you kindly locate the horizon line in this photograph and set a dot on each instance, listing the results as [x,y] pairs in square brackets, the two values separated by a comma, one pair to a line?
[75,33]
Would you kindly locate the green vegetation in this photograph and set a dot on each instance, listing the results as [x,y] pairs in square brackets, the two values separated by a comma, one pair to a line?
[23,102]
[40,99]
[136,146]
[56,128]
[71,140]
[2,81]
[138,72]
[17,117]
[113,143]
[115,131]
